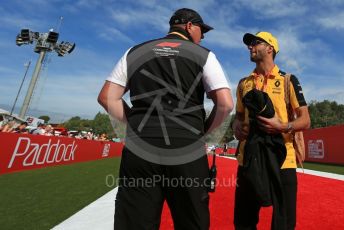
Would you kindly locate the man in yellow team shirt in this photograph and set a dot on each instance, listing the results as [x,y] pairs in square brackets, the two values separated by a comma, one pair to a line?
[268,78]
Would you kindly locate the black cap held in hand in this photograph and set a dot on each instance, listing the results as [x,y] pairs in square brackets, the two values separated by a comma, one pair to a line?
[258,103]
[185,15]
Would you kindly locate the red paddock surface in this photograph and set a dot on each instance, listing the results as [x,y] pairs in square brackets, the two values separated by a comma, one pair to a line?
[20,152]
[325,145]
[320,202]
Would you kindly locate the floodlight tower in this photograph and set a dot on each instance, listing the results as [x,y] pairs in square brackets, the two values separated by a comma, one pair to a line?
[45,42]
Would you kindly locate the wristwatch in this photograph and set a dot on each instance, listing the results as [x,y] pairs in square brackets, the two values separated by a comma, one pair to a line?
[289,127]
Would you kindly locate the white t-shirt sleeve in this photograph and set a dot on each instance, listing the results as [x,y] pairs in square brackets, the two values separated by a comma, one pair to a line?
[119,73]
[213,74]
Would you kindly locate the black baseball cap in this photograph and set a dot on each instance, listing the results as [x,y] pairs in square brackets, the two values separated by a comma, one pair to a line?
[185,15]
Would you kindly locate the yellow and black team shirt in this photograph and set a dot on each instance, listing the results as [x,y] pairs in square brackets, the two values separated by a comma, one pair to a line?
[273,85]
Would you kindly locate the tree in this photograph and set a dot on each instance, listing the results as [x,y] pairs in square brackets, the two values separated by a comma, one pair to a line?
[46,118]
[101,124]
[73,123]
[326,113]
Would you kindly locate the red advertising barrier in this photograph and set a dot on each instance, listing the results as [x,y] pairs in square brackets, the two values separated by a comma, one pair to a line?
[24,151]
[229,151]
[325,145]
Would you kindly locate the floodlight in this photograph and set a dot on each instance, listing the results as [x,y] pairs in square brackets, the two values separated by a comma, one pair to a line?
[64,48]
[52,37]
[45,42]
[25,35]
[19,40]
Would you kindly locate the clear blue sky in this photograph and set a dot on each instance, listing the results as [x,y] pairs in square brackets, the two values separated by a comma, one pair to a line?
[310,33]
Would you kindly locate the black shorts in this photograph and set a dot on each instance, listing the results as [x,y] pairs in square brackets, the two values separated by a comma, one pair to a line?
[144,186]
[246,209]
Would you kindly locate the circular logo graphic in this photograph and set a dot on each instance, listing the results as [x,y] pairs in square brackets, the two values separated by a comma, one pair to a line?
[166,122]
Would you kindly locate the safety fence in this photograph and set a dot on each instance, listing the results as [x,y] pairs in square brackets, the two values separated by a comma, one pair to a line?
[25,151]
[325,145]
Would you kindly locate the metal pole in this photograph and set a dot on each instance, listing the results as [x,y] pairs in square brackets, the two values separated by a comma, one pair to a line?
[32,85]
[21,85]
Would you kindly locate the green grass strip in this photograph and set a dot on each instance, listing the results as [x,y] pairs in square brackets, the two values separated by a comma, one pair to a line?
[42,198]
[338,169]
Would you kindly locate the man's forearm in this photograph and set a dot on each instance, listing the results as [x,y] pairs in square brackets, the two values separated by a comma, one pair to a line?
[302,122]
[110,97]
[118,109]
[223,105]
[216,117]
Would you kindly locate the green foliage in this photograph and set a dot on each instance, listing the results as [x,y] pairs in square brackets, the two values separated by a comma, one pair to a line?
[45,118]
[76,123]
[326,113]
[338,169]
[100,124]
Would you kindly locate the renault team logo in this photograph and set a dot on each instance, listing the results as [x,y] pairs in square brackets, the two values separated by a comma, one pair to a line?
[277,83]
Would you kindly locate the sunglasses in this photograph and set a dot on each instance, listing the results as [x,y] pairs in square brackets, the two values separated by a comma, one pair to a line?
[256,42]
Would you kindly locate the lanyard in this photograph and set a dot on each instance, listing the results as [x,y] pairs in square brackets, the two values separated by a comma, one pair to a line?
[179,34]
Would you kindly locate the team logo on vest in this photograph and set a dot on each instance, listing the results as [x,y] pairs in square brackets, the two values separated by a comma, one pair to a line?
[169,44]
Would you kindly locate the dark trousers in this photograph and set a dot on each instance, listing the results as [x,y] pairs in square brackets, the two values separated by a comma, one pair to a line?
[246,209]
[144,186]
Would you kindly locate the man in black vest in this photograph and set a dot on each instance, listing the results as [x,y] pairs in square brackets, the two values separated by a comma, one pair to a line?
[164,156]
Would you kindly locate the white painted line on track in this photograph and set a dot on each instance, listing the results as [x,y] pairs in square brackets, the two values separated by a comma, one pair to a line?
[322,174]
[97,215]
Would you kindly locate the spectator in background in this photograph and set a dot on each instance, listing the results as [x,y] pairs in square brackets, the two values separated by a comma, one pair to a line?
[48,130]
[40,130]
[103,137]
[64,133]
[224,149]
[116,138]
[2,122]
[21,128]
[89,136]
[96,137]
[9,127]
